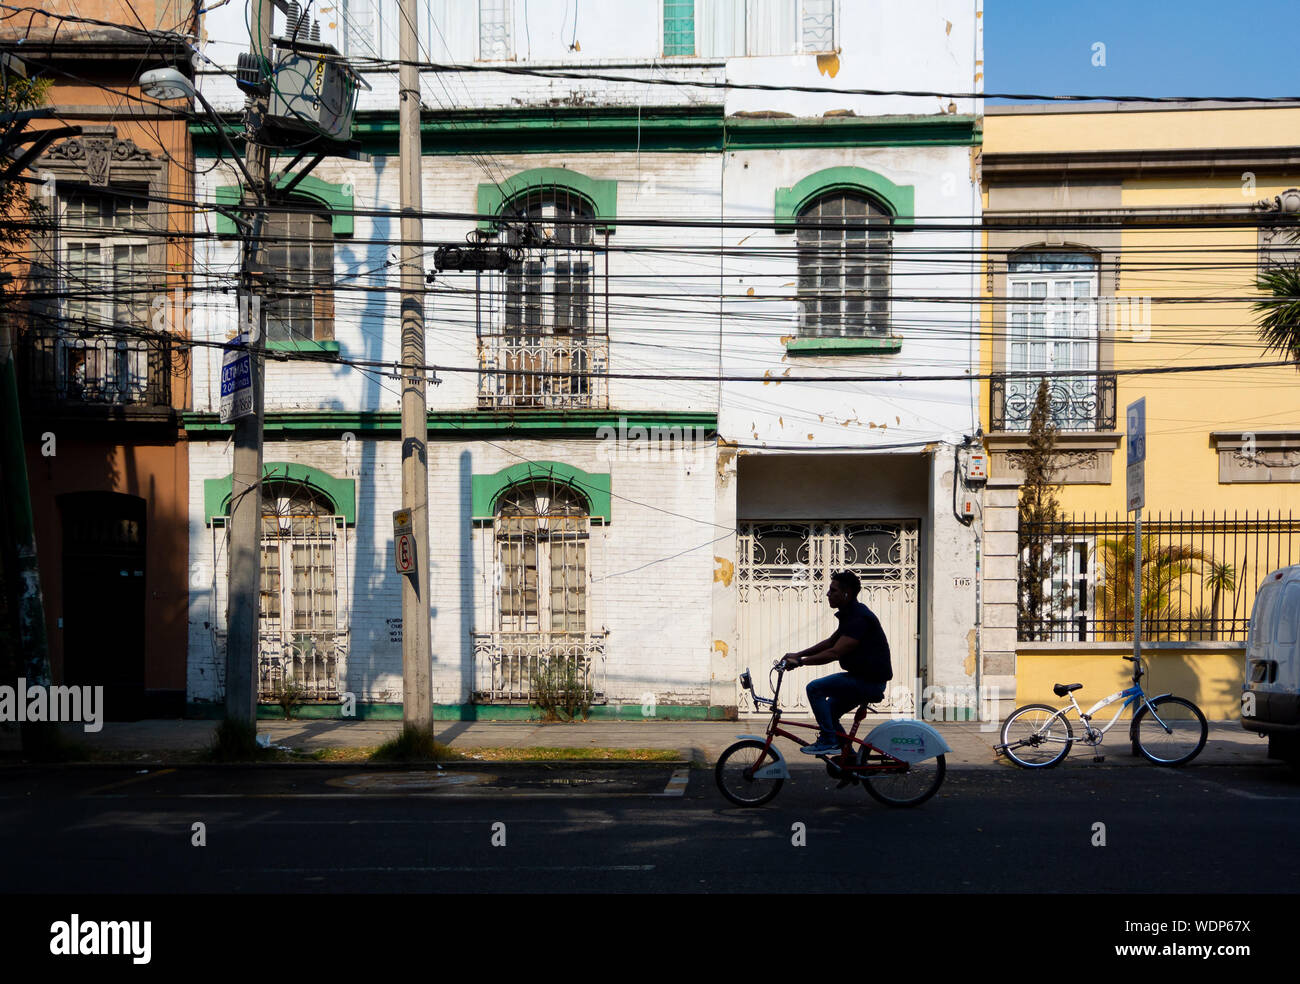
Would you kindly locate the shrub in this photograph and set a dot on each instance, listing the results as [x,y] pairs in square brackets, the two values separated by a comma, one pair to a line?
[561,691]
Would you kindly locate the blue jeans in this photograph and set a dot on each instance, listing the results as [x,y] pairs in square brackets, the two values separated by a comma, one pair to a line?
[830,696]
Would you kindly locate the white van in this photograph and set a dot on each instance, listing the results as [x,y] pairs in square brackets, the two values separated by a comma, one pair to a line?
[1270,699]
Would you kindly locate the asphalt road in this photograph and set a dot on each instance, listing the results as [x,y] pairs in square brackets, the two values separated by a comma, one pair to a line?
[642,829]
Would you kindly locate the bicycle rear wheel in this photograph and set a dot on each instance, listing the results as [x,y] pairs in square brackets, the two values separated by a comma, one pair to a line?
[1170,730]
[1037,736]
[730,775]
[910,785]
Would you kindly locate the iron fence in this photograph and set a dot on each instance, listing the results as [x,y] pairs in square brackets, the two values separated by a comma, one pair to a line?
[1199,575]
[72,368]
[542,372]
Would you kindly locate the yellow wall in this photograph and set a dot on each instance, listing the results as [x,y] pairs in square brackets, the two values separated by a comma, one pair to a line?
[1182,470]
[1209,677]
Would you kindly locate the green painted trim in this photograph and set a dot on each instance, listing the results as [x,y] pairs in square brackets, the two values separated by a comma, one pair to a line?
[557,423]
[812,345]
[341,491]
[695,129]
[487,489]
[212,711]
[335,197]
[899,199]
[304,345]
[601,193]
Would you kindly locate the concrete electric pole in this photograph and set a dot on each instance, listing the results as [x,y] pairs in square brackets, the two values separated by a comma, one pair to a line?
[417,686]
[246,476]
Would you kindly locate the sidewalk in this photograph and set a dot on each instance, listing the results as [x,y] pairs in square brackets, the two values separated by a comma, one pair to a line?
[701,742]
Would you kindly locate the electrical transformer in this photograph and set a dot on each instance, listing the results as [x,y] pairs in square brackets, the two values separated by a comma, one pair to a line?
[313,91]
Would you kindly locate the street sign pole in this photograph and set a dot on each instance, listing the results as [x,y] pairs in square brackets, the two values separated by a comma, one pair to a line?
[1136,415]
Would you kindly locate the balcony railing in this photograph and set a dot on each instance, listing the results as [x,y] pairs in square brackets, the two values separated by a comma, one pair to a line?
[542,372]
[1078,403]
[506,663]
[80,370]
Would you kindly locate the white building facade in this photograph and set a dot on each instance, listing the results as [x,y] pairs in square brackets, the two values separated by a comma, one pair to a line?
[689,399]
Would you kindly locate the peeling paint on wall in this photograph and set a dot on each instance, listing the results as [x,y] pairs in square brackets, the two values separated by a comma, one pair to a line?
[720,647]
[724,571]
[828,64]
[969,664]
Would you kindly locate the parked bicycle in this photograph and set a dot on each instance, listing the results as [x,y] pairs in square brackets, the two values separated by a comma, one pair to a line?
[900,763]
[1166,730]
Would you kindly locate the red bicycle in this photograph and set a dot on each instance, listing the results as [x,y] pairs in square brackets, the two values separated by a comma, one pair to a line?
[900,763]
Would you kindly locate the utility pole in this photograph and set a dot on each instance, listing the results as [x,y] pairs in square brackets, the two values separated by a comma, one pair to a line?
[417,688]
[246,475]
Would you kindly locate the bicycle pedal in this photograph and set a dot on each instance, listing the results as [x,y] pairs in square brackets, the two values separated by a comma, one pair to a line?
[1099,758]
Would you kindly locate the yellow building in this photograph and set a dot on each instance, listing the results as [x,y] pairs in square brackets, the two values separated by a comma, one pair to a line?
[1120,238]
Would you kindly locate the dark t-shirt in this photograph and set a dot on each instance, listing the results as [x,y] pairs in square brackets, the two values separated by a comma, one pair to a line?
[870,660]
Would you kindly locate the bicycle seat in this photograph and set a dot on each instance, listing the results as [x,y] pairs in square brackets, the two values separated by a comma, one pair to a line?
[1061,689]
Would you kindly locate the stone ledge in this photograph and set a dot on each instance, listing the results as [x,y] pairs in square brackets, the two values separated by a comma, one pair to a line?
[1085,457]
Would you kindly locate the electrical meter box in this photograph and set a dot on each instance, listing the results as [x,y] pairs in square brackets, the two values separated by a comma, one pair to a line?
[966,507]
[312,90]
[977,467]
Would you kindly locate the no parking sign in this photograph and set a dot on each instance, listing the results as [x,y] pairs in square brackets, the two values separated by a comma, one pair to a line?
[403,542]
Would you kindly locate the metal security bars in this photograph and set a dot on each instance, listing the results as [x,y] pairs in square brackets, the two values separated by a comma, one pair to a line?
[1199,575]
[1078,404]
[844,256]
[541,536]
[68,369]
[543,323]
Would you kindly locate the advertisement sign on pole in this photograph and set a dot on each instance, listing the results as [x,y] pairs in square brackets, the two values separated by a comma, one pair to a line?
[236,380]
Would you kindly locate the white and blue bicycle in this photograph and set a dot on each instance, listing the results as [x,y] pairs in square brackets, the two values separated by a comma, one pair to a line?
[1166,730]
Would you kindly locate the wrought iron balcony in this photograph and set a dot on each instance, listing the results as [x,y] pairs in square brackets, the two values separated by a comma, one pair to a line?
[1078,403]
[506,664]
[542,372]
[76,370]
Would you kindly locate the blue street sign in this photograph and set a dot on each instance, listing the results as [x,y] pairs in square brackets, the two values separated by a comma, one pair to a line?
[1137,431]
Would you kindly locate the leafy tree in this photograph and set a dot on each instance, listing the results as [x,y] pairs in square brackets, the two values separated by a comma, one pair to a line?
[1039,509]
[19,213]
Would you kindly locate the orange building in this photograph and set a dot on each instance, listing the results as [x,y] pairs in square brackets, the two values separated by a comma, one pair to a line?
[101,377]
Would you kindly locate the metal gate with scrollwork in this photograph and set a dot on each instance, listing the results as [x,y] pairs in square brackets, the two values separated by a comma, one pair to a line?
[783,571]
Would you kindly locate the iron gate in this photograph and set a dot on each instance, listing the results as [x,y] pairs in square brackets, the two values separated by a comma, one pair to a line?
[782,575]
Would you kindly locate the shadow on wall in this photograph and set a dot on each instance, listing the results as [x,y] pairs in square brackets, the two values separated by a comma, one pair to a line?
[376,588]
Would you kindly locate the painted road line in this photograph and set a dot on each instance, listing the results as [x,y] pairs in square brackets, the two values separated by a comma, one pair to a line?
[676,783]
[439,869]
[127,782]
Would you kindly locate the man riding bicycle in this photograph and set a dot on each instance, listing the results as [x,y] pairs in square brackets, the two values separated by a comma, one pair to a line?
[863,651]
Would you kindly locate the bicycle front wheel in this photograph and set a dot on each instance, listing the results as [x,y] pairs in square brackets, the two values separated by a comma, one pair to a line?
[1170,730]
[909,785]
[731,774]
[1037,736]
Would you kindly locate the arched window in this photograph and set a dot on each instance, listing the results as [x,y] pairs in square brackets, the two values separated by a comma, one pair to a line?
[298,630]
[541,533]
[549,291]
[300,256]
[844,255]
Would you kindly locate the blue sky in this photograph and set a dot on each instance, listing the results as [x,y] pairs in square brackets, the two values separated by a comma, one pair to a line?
[1160,48]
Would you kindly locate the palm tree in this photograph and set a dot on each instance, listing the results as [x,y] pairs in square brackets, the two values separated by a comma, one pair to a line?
[1163,570]
[1279,315]
[1222,577]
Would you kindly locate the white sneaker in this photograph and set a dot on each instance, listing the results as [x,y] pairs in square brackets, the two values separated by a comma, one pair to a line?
[821,748]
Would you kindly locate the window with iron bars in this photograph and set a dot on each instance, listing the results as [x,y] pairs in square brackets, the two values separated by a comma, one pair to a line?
[547,344]
[844,258]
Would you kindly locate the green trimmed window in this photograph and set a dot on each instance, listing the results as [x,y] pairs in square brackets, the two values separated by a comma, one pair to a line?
[844,239]
[679,27]
[300,254]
